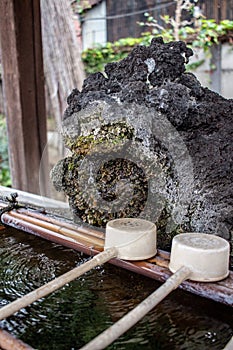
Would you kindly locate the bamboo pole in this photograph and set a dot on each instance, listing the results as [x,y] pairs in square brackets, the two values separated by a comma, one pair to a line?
[50,235]
[126,322]
[79,233]
[229,345]
[25,220]
[57,283]
[44,217]
[88,237]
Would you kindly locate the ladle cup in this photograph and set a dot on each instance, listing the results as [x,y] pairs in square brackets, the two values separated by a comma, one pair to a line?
[131,239]
[194,256]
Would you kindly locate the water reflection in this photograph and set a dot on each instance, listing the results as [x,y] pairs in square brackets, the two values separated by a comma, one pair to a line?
[70,317]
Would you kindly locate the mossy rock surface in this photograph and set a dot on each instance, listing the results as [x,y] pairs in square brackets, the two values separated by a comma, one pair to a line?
[147,140]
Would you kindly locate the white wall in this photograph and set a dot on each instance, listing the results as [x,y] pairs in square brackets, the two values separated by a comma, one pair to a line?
[203,72]
[227,71]
[94,26]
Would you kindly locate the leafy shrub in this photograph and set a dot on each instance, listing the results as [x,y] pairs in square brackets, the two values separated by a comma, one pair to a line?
[5,179]
[95,58]
[203,36]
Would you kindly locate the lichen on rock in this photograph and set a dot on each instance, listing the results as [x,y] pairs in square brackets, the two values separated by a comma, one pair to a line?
[147,140]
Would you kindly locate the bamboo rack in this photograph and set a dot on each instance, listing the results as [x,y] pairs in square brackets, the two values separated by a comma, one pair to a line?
[91,242]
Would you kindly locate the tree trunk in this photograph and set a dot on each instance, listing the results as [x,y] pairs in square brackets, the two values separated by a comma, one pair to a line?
[62,54]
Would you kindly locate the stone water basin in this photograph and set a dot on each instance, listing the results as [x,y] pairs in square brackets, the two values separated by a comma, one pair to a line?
[72,316]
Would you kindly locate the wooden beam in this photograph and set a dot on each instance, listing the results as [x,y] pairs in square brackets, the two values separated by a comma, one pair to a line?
[23,84]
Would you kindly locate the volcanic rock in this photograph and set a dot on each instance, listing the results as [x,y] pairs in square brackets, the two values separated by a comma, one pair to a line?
[147,140]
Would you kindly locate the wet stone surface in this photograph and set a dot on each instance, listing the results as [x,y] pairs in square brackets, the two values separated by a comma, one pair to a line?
[147,140]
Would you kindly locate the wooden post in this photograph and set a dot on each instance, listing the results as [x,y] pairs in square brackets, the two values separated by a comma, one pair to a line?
[23,86]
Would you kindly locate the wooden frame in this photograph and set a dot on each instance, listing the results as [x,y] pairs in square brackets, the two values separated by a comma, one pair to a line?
[23,86]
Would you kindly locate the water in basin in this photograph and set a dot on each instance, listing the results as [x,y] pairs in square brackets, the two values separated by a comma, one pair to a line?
[72,316]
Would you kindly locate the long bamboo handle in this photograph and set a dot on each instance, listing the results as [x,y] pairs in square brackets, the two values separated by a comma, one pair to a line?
[229,345]
[59,229]
[131,318]
[9,342]
[57,283]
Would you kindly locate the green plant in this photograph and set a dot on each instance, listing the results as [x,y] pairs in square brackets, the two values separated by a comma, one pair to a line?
[5,179]
[198,33]
[203,36]
[95,58]
[209,32]
[80,6]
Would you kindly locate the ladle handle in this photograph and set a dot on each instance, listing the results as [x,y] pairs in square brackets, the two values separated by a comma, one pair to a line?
[57,283]
[229,345]
[130,319]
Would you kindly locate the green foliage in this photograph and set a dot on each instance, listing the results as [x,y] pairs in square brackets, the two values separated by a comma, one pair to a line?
[195,65]
[203,34]
[5,179]
[95,58]
[80,7]
[209,31]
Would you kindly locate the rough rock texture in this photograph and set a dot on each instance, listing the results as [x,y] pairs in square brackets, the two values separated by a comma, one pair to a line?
[148,140]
